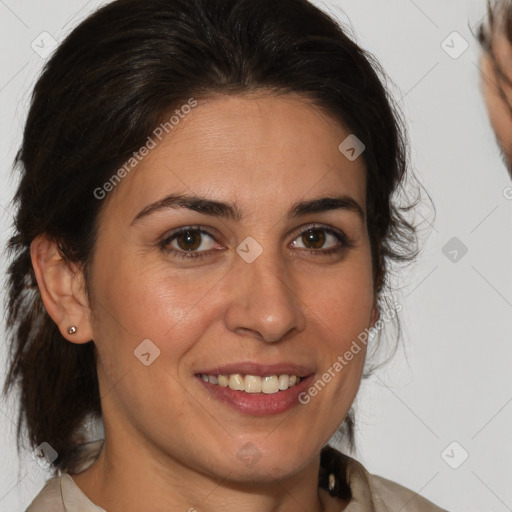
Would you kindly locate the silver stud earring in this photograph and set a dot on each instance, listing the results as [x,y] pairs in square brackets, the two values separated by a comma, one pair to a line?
[332,483]
[71,329]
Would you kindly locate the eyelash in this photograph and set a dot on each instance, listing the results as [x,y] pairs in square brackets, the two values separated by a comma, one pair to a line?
[189,255]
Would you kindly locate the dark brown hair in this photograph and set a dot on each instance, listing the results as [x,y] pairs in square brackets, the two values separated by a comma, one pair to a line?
[105,89]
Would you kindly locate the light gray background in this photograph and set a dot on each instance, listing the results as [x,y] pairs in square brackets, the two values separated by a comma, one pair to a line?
[452,380]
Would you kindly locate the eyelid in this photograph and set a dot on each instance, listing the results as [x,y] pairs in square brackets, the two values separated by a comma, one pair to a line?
[316,225]
[211,232]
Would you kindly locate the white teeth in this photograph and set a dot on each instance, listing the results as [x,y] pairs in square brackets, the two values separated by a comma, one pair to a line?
[269,384]
[223,381]
[252,384]
[284,382]
[236,382]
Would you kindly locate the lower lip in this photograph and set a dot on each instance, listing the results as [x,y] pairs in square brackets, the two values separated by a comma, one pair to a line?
[259,404]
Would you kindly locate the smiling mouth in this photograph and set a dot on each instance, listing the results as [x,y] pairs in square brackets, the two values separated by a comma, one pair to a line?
[269,384]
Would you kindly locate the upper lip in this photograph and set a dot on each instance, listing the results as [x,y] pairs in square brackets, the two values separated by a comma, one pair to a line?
[263,370]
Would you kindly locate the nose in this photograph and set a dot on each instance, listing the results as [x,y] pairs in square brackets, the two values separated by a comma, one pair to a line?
[263,302]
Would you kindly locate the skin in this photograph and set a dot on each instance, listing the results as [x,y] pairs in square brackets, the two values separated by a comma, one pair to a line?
[499,111]
[168,445]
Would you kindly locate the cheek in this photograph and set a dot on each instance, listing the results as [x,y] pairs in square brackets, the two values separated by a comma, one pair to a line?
[345,301]
[172,324]
[136,306]
[345,314]
[143,298]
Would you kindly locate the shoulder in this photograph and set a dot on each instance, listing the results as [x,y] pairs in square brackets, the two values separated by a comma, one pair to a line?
[49,499]
[368,492]
[61,494]
[392,496]
[385,495]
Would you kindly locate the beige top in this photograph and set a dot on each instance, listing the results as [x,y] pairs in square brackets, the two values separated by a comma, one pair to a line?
[370,493]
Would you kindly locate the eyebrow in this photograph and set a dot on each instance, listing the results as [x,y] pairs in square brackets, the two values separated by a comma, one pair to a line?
[232,211]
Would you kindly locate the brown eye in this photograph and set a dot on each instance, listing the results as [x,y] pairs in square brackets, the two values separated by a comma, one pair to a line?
[321,240]
[315,237]
[189,240]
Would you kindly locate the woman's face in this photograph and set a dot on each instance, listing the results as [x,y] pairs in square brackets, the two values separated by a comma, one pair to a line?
[249,293]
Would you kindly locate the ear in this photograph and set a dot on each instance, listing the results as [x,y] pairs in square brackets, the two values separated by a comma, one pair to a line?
[62,288]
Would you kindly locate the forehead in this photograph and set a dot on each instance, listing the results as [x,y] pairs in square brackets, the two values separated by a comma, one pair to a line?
[258,147]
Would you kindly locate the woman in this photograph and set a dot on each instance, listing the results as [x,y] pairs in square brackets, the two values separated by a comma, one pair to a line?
[203,232]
